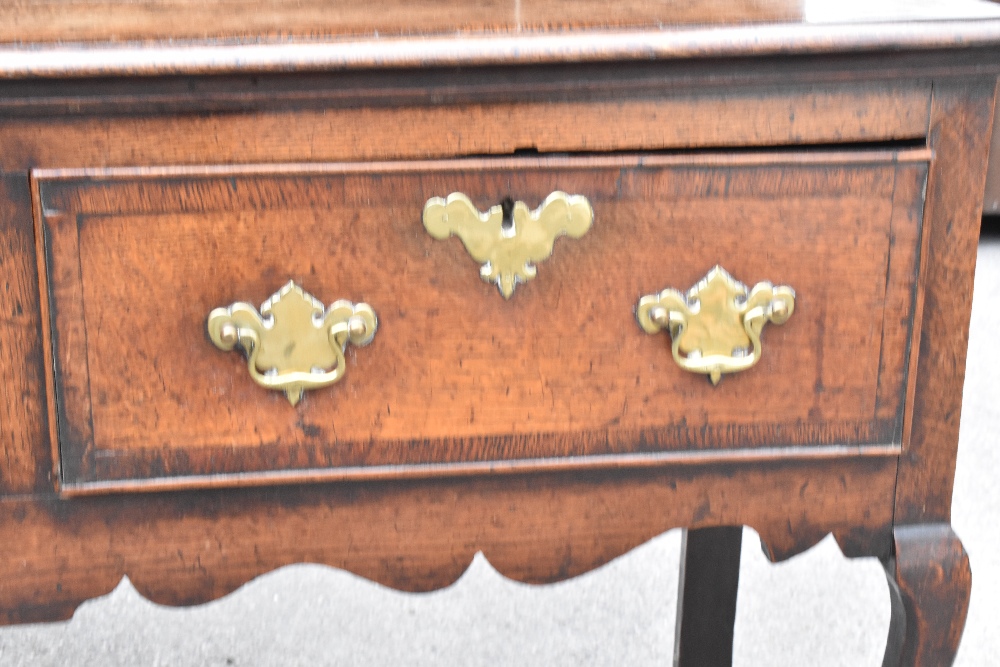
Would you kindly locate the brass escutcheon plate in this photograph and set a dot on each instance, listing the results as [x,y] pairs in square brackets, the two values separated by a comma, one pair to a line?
[508,246]
[294,343]
[716,326]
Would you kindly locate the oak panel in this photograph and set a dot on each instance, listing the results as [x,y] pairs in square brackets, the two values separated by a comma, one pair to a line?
[961,118]
[443,124]
[25,460]
[456,375]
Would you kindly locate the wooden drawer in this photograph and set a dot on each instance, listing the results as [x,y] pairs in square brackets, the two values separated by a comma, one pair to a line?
[458,379]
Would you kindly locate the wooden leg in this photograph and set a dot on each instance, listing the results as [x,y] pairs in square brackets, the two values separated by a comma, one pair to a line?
[929,583]
[706,602]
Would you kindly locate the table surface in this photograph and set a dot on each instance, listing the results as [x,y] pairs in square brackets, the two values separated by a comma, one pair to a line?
[123,20]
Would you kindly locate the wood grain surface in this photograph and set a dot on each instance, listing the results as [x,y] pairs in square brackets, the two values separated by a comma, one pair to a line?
[456,374]
[190,547]
[962,118]
[535,114]
[328,138]
[210,38]
[115,20]
[120,20]
[929,587]
[25,463]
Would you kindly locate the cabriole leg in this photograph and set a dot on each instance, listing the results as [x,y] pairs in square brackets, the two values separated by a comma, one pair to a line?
[929,584]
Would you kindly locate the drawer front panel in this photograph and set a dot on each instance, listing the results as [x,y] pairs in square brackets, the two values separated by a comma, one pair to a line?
[458,379]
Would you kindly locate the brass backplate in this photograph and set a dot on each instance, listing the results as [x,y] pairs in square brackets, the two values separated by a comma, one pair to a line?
[716,326]
[294,343]
[508,245]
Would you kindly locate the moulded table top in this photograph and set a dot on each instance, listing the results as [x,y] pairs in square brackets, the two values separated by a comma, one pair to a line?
[100,37]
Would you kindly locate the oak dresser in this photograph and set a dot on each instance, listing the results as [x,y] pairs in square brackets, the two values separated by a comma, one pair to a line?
[384,285]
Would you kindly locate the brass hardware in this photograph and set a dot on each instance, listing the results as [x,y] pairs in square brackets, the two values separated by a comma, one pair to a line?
[508,246]
[294,343]
[716,327]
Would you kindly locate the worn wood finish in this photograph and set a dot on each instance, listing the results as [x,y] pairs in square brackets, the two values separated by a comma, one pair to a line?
[115,20]
[143,394]
[508,44]
[25,466]
[110,20]
[120,137]
[189,547]
[962,117]
[101,20]
[929,585]
[706,590]
[561,121]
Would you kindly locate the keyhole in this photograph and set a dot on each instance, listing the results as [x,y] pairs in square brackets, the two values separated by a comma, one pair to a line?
[507,206]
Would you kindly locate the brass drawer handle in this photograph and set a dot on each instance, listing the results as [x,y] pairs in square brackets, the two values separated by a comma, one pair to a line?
[508,239]
[294,343]
[716,326]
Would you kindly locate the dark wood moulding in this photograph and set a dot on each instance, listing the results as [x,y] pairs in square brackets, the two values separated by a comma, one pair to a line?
[508,48]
